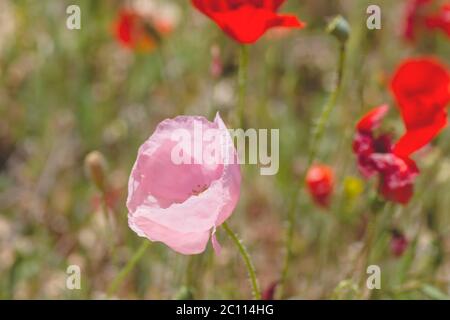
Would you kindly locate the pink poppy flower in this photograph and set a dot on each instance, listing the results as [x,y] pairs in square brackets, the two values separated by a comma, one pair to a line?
[181,205]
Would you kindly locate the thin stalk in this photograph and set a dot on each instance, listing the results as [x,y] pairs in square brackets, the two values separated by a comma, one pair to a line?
[376,221]
[315,143]
[319,129]
[242,83]
[110,227]
[189,276]
[248,262]
[127,268]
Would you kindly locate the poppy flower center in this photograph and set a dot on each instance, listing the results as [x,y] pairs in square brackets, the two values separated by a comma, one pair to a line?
[199,189]
[382,144]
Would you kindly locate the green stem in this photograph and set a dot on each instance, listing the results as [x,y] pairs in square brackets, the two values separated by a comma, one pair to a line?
[110,227]
[242,83]
[128,268]
[189,277]
[319,129]
[248,262]
[315,143]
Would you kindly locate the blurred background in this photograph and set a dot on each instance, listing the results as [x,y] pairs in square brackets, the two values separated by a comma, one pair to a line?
[65,93]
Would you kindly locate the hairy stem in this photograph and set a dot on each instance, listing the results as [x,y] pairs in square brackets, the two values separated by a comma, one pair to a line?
[242,83]
[248,262]
[127,268]
[318,132]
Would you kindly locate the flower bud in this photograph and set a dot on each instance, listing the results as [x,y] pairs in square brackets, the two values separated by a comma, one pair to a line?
[353,187]
[320,182]
[340,28]
[95,166]
[269,292]
[399,243]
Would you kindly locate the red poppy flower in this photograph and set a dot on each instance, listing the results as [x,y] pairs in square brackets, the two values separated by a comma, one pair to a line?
[422,90]
[376,156]
[246,20]
[441,20]
[414,18]
[139,33]
[320,181]
[365,143]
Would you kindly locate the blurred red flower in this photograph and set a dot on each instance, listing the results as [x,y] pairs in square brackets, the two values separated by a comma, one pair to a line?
[399,243]
[140,33]
[320,182]
[246,20]
[376,156]
[422,90]
[414,18]
[440,20]
[419,17]
[269,292]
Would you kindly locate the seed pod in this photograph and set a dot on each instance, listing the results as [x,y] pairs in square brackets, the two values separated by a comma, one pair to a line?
[340,28]
[95,166]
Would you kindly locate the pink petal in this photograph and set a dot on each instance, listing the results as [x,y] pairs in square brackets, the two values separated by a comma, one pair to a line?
[216,245]
[184,243]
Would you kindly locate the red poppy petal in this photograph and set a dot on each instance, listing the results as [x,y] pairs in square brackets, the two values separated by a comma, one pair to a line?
[276,4]
[441,20]
[286,21]
[422,89]
[124,28]
[246,20]
[400,195]
[413,18]
[397,176]
[372,119]
[414,140]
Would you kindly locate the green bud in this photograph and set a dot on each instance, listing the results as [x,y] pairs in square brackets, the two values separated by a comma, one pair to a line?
[95,166]
[340,28]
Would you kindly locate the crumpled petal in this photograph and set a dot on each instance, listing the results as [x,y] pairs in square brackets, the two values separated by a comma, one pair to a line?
[365,144]
[372,120]
[376,156]
[397,177]
[185,243]
[216,245]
